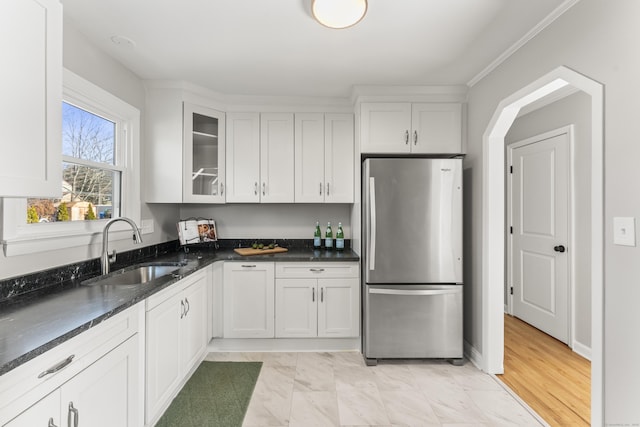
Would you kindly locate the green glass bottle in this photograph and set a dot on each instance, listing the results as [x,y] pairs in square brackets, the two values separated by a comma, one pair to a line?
[340,238]
[317,237]
[328,237]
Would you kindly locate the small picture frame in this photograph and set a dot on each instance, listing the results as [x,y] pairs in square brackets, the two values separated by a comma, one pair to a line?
[207,230]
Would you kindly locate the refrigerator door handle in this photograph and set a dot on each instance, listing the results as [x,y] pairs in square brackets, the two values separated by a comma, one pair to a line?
[409,292]
[372,215]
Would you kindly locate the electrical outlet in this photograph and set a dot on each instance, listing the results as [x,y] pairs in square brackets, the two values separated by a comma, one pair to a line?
[624,231]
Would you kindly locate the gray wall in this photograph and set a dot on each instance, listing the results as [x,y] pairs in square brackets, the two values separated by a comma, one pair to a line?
[576,110]
[599,39]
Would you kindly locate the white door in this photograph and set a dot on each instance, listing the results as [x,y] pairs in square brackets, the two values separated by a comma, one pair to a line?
[338,158]
[338,308]
[296,308]
[243,157]
[106,393]
[248,294]
[193,332]
[436,128]
[45,413]
[276,158]
[309,153]
[385,127]
[540,221]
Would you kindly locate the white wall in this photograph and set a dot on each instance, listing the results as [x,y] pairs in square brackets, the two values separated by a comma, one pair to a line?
[272,221]
[92,64]
[575,110]
[600,40]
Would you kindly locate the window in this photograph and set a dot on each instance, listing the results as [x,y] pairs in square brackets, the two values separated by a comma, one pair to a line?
[100,175]
[91,174]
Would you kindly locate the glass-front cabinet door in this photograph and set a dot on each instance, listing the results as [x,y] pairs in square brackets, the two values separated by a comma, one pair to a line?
[204,131]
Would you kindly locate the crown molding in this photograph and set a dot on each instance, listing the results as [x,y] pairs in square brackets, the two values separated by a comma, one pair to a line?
[548,20]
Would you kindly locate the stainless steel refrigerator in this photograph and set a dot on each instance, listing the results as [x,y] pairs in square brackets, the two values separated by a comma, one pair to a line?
[412,263]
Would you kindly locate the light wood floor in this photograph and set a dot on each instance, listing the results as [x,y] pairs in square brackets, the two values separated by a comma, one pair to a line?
[546,374]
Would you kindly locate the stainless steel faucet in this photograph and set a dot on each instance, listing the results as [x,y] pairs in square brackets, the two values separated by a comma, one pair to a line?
[106,259]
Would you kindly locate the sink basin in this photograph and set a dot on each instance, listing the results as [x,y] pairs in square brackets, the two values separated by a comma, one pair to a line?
[138,275]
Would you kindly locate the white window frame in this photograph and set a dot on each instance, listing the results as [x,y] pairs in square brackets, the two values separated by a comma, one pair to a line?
[19,238]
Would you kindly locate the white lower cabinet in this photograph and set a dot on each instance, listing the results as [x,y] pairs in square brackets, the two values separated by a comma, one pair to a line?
[317,300]
[176,322]
[248,294]
[98,387]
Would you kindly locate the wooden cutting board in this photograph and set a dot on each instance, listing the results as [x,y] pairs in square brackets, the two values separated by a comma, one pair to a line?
[251,251]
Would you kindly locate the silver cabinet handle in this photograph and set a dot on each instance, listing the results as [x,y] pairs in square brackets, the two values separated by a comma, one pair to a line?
[255,188]
[313,294]
[182,312]
[57,366]
[221,188]
[406,137]
[321,189]
[248,266]
[321,294]
[186,302]
[415,137]
[327,188]
[73,413]
[409,292]
[372,214]
[316,270]
[51,423]
[264,189]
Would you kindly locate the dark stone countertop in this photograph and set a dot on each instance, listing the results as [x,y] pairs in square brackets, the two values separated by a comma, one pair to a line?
[32,326]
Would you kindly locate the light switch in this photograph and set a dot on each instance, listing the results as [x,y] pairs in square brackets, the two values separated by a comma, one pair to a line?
[624,231]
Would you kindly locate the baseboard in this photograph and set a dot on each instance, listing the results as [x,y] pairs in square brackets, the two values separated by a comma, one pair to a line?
[473,355]
[283,344]
[582,350]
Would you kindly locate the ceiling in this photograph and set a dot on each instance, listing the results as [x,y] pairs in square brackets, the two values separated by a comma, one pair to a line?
[275,48]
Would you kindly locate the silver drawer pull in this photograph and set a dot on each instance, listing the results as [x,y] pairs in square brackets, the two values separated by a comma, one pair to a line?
[51,423]
[316,270]
[57,367]
[73,414]
[411,292]
[248,266]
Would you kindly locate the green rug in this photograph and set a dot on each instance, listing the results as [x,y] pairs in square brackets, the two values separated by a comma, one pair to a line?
[217,395]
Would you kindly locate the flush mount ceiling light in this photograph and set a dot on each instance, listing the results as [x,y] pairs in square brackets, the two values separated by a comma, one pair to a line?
[338,13]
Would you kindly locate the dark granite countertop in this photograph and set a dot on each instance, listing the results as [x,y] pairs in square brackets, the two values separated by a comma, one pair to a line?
[31,326]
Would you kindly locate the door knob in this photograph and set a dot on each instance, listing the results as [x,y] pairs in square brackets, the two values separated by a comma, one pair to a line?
[559,248]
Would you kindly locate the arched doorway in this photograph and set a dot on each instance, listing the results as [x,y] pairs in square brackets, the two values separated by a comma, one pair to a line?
[493,222]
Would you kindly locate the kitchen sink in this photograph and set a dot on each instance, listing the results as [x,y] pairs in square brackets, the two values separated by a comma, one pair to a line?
[139,274]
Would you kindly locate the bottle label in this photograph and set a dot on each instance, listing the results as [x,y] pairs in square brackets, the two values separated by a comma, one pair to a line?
[316,242]
[339,243]
[328,243]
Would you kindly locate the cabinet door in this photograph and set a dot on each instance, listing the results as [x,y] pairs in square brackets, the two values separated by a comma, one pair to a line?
[276,158]
[338,308]
[385,127]
[437,128]
[339,158]
[243,157]
[310,158]
[31,101]
[296,308]
[248,300]
[194,324]
[45,413]
[106,393]
[204,155]
[163,353]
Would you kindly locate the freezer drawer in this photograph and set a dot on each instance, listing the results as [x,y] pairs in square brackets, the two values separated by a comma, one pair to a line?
[413,321]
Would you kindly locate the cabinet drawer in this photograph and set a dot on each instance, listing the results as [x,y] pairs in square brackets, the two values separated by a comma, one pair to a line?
[317,270]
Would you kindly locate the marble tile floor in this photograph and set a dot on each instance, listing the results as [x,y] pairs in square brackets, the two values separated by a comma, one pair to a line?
[338,389]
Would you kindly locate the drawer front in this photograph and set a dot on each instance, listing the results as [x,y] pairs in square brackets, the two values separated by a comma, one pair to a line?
[317,270]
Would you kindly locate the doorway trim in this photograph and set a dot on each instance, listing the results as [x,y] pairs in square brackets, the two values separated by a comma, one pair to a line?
[494,228]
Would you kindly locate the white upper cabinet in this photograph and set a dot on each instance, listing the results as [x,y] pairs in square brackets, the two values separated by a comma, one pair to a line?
[31,101]
[185,150]
[324,161]
[426,128]
[243,157]
[260,160]
[203,156]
